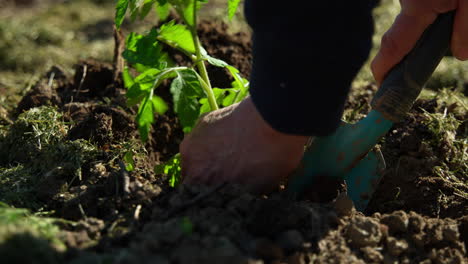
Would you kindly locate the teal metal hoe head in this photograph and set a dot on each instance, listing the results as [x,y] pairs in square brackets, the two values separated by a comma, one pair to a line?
[344,154]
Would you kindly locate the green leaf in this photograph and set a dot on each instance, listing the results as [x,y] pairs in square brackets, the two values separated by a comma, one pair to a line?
[232,7]
[230,98]
[135,94]
[146,8]
[211,60]
[187,226]
[120,10]
[186,90]
[219,95]
[172,169]
[146,80]
[239,83]
[144,51]
[188,13]
[142,86]
[127,78]
[129,163]
[134,5]
[159,105]
[145,118]
[178,36]
[163,9]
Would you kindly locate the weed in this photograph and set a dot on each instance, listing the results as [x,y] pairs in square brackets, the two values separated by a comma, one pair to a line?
[34,149]
[450,139]
[21,231]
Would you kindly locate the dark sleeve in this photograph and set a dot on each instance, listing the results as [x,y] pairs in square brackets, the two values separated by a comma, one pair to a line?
[305,56]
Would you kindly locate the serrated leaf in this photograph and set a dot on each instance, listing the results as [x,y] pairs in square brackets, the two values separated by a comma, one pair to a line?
[230,98]
[144,51]
[211,60]
[239,83]
[135,93]
[146,82]
[147,78]
[120,10]
[186,9]
[232,7]
[172,169]
[133,4]
[145,118]
[216,62]
[146,8]
[129,163]
[186,90]
[159,105]
[178,36]
[127,78]
[163,9]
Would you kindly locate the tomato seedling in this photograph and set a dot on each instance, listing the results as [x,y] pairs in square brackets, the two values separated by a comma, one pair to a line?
[191,87]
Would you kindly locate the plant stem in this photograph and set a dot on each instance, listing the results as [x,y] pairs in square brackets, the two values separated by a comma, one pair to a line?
[200,63]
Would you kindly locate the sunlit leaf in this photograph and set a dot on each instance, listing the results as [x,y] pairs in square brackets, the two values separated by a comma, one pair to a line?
[232,7]
[146,51]
[129,163]
[146,8]
[120,10]
[172,169]
[178,36]
[186,90]
[163,9]
[159,105]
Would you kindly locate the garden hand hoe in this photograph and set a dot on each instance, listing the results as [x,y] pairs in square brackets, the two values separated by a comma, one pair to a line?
[345,154]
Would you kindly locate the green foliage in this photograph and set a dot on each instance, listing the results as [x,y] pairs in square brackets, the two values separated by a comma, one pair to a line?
[191,89]
[177,36]
[187,226]
[35,149]
[187,90]
[21,231]
[232,7]
[129,163]
[171,169]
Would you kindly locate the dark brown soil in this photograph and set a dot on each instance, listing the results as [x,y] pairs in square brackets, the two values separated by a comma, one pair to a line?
[135,217]
[410,182]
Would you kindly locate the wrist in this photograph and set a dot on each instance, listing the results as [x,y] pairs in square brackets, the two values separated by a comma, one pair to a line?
[249,111]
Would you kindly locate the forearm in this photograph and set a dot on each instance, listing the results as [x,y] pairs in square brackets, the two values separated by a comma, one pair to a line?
[305,58]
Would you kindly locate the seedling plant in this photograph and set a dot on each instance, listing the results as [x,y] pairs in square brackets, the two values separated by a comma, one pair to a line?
[191,87]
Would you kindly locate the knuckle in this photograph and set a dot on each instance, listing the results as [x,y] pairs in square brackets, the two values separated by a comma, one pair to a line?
[389,46]
[442,6]
[460,49]
[460,54]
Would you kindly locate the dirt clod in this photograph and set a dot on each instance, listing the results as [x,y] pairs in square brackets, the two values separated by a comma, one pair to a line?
[343,205]
[290,240]
[363,232]
[396,247]
[396,222]
[371,255]
[266,249]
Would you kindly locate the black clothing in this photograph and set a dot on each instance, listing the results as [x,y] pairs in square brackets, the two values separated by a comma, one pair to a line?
[305,56]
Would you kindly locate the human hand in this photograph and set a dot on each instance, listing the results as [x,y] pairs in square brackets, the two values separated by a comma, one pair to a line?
[236,145]
[414,18]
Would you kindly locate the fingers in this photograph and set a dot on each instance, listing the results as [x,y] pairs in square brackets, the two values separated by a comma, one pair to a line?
[398,41]
[459,43]
[415,17]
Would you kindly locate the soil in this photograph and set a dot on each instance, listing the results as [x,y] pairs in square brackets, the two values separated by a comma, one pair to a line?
[135,217]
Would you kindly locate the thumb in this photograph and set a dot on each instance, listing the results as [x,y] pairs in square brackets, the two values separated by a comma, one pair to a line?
[398,41]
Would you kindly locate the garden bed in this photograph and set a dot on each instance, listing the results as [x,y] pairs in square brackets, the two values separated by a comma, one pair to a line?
[63,154]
